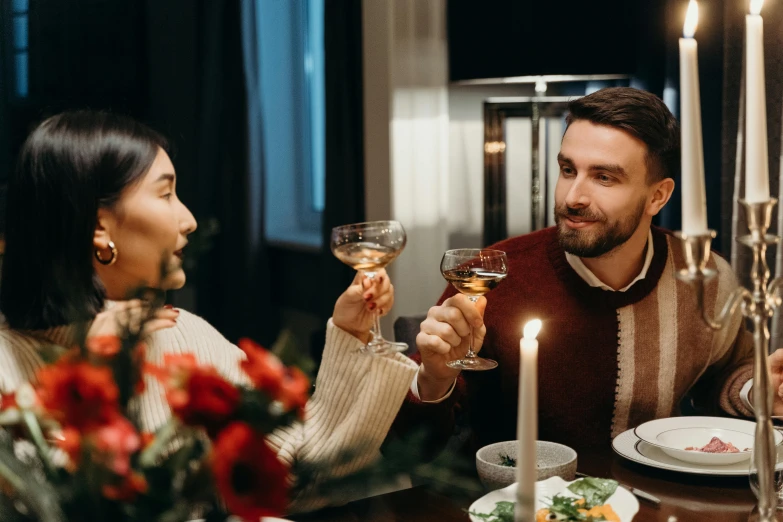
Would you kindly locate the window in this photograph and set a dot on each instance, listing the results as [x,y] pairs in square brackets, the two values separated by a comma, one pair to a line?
[19,41]
[291,55]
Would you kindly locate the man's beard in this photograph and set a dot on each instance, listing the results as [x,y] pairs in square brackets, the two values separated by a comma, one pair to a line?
[603,239]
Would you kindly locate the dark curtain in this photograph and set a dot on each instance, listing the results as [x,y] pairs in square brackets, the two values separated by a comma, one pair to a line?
[178,65]
[344,136]
[222,149]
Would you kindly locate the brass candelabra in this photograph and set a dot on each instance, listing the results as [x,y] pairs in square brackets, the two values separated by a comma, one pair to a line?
[757,305]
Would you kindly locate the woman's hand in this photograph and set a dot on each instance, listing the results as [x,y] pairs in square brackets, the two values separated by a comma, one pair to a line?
[355,309]
[127,316]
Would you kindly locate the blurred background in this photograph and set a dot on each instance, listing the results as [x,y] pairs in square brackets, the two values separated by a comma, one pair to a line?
[289,117]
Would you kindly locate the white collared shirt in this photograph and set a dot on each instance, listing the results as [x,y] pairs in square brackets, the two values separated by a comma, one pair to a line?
[590,278]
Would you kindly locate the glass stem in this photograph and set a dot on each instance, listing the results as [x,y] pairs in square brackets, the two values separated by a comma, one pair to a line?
[471,353]
[375,331]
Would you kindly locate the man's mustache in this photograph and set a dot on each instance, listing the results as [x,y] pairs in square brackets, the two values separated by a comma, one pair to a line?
[565,211]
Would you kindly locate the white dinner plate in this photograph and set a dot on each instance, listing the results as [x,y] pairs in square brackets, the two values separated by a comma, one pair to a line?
[622,501]
[674,434]
[628,445]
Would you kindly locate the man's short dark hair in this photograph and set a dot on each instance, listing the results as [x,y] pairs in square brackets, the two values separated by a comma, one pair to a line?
[641,114]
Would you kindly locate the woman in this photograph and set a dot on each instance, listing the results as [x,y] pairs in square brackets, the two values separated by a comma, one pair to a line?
[92,214]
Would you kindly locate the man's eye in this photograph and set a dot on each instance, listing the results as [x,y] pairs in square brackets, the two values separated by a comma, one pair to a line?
[566,171]
[167,196]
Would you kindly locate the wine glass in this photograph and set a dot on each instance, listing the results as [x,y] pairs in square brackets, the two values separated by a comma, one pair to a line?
[368,247]
[473,272]
[753,475]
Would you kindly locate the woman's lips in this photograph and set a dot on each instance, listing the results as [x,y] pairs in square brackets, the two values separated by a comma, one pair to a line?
[178,253]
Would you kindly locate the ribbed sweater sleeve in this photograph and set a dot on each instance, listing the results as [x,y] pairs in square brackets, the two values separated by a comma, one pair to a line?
[357,396]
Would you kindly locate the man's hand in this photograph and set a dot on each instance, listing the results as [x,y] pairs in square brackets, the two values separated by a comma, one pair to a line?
[444,337]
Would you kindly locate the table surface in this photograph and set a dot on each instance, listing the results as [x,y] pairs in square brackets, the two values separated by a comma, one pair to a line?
[690,498]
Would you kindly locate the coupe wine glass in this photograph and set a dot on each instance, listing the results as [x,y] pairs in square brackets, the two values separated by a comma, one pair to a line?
[753,475]
[368,247]
[473,272]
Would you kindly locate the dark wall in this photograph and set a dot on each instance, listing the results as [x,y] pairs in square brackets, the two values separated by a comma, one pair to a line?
[503,38]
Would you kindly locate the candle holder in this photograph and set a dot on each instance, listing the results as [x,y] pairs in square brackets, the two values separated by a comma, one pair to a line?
[757,305]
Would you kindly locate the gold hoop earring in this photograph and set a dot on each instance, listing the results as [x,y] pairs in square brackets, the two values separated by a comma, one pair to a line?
[112,259]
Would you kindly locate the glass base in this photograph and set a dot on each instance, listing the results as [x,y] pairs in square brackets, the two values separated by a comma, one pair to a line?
[472,363]
[382,346]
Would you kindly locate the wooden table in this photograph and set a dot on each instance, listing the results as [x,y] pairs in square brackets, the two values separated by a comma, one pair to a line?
[690,498]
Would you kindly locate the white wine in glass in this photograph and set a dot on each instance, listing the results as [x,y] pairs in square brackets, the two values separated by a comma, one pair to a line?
[473,272]
[368,247]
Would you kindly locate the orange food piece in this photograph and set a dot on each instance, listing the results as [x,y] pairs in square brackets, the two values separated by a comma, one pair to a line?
[605,511]
[541,515]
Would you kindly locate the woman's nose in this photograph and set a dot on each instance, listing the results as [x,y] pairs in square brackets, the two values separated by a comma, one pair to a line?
[187,222]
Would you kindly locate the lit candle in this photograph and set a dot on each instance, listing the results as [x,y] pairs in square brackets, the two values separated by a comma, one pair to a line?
[756,162]
[694,199]
[527,423]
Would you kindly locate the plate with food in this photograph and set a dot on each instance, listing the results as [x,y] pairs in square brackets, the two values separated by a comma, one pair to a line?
[715,441]
[556,499]
[628,445]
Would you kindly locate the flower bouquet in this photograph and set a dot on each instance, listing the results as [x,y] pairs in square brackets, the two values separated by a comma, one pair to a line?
[71,449]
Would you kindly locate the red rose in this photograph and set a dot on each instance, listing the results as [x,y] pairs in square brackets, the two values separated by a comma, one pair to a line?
[209,400]
[104,345]
[265,370]
[127,489]
[115,442]
[78,394]
[248,474]
[294,391]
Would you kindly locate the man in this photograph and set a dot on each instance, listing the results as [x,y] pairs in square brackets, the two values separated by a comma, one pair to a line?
[622,341]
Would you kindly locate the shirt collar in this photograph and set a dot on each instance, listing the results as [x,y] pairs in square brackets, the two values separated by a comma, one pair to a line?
[591,279]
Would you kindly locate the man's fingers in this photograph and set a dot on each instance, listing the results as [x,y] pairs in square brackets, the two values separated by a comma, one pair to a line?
[442,330]
[472,312]
[432,344]
[452,316]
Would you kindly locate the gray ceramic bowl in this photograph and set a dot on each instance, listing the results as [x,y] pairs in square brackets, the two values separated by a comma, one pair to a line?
[551,459]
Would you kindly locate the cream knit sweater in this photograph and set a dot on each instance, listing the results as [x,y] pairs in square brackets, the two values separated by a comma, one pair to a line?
[356,398]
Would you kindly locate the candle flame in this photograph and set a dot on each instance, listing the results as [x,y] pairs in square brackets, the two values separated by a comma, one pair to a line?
[755,6]
[691,19]
[532,328]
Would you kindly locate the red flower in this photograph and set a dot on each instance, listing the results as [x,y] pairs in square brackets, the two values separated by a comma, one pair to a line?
[70,441]
[104,345]
[198,395]
[293,391]
[290,386]
[128,489]
[208,400]
[115,442]
[263,367]
[78,394]
[248,474]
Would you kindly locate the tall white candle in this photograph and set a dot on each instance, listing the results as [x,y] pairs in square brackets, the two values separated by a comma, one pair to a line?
[694,199]
[527,423]
[756,161]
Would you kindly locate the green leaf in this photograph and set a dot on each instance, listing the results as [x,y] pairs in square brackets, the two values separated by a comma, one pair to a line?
[503,512]
[594,490]
[506,460]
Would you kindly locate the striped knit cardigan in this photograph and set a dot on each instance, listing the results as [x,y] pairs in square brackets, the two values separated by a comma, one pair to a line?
[608,361]
[356,397]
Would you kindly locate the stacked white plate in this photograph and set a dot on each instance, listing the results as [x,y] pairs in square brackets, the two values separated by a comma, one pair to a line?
[661,444]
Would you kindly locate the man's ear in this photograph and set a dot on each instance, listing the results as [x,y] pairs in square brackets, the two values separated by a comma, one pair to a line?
[661,194]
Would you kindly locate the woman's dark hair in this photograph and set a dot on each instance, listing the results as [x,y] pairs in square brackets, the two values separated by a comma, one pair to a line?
[641,114]
[71,165]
